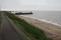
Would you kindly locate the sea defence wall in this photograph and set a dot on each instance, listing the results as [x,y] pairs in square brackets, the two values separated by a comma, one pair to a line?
[51,30]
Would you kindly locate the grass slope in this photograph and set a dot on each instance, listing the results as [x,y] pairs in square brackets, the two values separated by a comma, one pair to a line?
[32,31]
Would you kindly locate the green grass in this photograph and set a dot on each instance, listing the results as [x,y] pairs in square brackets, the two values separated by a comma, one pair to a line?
[29,29]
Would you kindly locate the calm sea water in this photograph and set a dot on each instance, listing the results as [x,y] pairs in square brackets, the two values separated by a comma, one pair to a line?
[54,16]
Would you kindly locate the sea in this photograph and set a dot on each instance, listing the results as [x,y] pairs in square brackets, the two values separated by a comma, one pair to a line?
[53,16]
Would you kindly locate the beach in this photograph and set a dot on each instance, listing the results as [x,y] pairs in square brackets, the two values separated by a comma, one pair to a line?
[51,30]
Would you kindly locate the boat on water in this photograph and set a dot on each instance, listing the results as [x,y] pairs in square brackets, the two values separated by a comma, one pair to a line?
[23,13]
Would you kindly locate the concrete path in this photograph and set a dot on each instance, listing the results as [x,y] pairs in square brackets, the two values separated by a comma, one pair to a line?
[7,31]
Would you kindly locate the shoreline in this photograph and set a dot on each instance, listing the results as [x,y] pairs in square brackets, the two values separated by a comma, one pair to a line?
[43,20]
[51,30]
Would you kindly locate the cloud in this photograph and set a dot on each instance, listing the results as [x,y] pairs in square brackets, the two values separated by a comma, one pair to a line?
[31,4]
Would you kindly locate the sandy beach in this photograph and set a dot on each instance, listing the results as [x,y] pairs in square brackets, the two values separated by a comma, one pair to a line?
[51,30]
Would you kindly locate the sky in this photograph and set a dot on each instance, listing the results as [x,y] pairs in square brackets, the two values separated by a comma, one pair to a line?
[30,4]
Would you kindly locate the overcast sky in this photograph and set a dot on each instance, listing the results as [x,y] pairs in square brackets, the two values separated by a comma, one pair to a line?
[30,4]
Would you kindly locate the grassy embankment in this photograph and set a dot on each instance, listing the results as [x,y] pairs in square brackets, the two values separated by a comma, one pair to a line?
[29,29]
